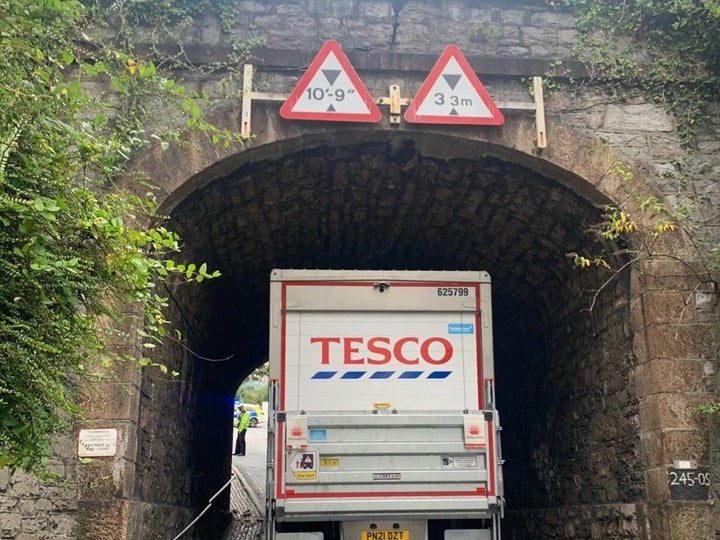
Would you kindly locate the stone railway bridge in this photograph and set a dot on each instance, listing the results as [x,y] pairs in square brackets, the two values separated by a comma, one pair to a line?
[596,405]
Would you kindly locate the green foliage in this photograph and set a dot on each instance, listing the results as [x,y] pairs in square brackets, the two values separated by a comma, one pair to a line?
[76,252]
[654,219]
[144,48]
[163,14]
[629,237]
[255,388]
[666,49]
[253,395]
[709,408]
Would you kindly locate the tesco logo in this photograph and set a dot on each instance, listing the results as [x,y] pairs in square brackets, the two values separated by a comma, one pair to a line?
[381,350]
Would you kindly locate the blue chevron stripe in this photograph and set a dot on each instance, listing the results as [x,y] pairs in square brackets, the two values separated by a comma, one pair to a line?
[353,375]
[356,375]
[324,375]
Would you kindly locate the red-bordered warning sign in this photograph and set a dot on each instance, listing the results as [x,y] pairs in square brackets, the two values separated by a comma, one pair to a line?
[453,94]
[330,90]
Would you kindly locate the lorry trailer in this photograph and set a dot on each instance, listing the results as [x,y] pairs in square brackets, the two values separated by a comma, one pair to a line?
[382,422]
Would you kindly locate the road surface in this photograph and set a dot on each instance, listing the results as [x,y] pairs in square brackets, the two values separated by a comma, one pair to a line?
[247,492]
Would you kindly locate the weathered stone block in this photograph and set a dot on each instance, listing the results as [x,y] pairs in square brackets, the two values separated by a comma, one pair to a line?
[637,117]
[4,478]
[550,19]
[690,520]
[664,275]
[656,482]
[668,307]
[514,17]
[103,520]
[670,411]
[664,376]
[663,447]
[681,341]
[10,522]
[323,8]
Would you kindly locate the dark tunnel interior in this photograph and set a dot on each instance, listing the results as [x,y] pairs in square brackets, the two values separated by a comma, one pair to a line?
[568,412]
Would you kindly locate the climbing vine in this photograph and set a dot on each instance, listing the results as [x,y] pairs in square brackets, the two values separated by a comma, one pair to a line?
[636,230]
[75,249]
[142,44]
[666,50]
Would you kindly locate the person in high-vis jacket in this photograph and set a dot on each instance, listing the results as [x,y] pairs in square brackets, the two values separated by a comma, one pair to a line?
[243,425]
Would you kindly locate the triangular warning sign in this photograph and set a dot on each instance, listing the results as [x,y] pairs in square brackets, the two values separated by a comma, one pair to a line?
[453,94]
[330,90]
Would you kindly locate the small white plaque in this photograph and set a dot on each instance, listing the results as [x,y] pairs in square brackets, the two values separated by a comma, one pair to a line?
[97,442]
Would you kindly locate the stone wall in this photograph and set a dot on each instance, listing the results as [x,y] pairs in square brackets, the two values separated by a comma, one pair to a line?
[31,509]
[505,29]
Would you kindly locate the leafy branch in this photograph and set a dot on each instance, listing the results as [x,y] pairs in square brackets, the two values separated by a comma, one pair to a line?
[638,229]
[75,249]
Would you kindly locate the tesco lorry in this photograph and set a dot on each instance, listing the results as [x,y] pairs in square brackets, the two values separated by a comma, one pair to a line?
[382,421]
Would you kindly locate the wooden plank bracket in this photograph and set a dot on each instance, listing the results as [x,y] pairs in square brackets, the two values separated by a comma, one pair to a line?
[539,112]
[248,96]
[246,101]
[395,101]
[538,106]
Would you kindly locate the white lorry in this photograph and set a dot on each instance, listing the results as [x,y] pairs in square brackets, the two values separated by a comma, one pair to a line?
[382,421]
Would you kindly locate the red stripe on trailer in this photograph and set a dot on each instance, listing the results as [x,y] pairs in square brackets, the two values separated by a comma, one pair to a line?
[280,426]
[491,458]
[479,349]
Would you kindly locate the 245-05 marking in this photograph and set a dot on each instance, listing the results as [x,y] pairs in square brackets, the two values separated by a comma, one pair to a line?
[689,478]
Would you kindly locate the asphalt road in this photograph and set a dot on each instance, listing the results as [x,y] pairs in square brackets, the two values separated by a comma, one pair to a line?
[252,465]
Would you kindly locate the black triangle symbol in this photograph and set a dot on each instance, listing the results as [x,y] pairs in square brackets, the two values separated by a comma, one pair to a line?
[331,75]
[453,113]
[452,80]
[331,109]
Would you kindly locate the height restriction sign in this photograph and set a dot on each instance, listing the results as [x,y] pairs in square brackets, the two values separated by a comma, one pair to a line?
[453,94]
[330,90]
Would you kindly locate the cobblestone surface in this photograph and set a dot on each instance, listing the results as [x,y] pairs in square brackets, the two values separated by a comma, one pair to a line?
[246,508]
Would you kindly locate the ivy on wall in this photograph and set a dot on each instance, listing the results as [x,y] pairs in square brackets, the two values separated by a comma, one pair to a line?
[75,250]
[667,50]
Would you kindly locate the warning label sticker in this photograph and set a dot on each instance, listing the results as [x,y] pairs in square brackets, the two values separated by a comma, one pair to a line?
[459,462]
[304,465]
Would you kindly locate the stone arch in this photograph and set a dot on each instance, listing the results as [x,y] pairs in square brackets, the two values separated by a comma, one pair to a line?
[633,323]
[580,162]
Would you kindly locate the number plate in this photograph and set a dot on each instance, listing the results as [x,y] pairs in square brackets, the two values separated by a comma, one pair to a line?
[385,535]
